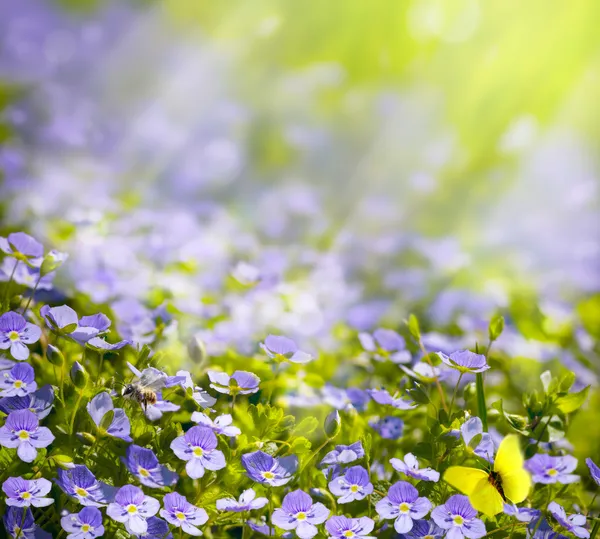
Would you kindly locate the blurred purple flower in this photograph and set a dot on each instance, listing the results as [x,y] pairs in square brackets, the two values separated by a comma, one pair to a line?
[465,361]
[343,527]
[425,529]
[102,404]
[474,427]
[246,502]
[388,427]
[219,425]
[22,247]
[81,484]
[143,463]
[26,492]
[18,382]
[573,523]
[19,523]
[15,333]
[546,469]
[385,344]
[87,524]
[239,382]
[410,467]
[594,470]
[382,396]
[279,347]
[344,454]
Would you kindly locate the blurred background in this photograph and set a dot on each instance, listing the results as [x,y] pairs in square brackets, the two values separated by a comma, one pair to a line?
[252,166]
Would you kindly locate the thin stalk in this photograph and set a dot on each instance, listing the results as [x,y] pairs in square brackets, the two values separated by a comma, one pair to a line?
[437,381]
[9,283]
[481,406]
[314,454]
[72,423]
[454,393]
[595,529]
[32,293]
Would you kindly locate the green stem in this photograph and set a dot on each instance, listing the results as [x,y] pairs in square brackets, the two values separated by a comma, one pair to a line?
[482,409]
[591,504]
[100,364]
[437,380]
[595,529]
[9,284]
[314,454]
[244,524]
[32,293]
[454,393]
[72,424]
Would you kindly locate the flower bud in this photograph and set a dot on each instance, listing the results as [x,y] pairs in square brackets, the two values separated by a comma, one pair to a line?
[52,261]
[79,376]
[54,355]
[64,461]
[333,424]
[86,438]
[197,351]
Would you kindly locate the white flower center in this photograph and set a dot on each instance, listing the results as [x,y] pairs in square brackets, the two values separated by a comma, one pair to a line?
[301,516]
[13,336]
[552,472]
[143,472]
[180,516]
[81,492]
[354,488]
[86,528]
[198,451]
[404,507]
[23,435]
[458,520]
[268,475]
[132,509]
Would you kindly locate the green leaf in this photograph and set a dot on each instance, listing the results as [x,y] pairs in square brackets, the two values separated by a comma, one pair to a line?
[572,401]
[413,327]
[496,327]
[566,382]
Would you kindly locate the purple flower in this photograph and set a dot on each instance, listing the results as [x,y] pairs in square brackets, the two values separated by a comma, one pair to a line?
[404,505]
[410,467]
[485,448]
[298,512]
[385,344]
[465,361]
[354,528]
[144,465]
[155,411]
[132,507]
[281,348]
[594,470]
[198,446]
[63,320]
[87,524]
[25,275]
[354,485]
[269,470]
[382,396]
[15,333]
[522,514]
[40,402]
[81,484]
[182,514]
[22,431]
[102,404]
[425,529]
[26,492]
[546,469]
[19,522]
[459,518]
[22,247]
[246,502]
[344,454]
[239,382]
[388,427]
[542,530]
[573,523]
[19,381]
[157,529]
[261,526]
[219,425]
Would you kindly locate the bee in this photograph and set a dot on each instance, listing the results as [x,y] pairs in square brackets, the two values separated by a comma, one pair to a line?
[144,389]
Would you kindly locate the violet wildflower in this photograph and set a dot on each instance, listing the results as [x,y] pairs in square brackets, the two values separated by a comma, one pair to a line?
[219,425]
[81,484]
[410,467]
[425,529]
[26,492]
[19,523]
[404,505]
[155,411]
[282,348]
[350,528]
[102,404]
[157,529]
[24,275]
[241,382]
[87,524]
[22,431]
[18,382]
[15,333]
[485,448]
[574,523]
[246,502]
[385,344]
[388,427]
[63,320]
[198,446]
[132,507]
[594,470]
[344,454]
[23,247]
[382,396]
[353,485]
[143,463]
[298,512]
[459,518]
[182,514]
[546,469]
[465,361]
[522,514]
[264,468]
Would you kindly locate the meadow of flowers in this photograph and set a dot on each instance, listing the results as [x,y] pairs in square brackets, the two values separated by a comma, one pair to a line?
[249,292]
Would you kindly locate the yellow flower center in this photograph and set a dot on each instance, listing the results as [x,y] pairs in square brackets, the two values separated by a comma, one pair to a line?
[180,515]
[131,508]
[268,475]
[354,488]
[13,336]
[24,435]
[404,507]
[198,451]
[552,472]
[26,495]
[458,520]
[86,528]
[81,492]
[348,533]
[429,537]
[143,472]
[18,384]
[301,516]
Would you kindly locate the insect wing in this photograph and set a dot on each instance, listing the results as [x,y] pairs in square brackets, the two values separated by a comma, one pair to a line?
[152,379]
